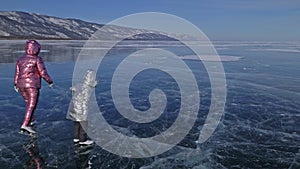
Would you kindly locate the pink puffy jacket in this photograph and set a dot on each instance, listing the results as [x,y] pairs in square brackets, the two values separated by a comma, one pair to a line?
[30,68]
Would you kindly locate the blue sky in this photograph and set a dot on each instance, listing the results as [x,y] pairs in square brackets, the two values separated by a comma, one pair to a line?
[262,20]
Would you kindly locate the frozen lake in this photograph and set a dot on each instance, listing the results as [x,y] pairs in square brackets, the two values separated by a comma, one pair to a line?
[259,128]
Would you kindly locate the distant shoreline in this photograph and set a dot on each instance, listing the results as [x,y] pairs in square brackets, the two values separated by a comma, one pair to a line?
[45,38]
[41,38]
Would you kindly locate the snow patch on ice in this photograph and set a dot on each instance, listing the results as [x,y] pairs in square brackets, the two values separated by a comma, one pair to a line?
[276,50]
[22,51]
[212,58]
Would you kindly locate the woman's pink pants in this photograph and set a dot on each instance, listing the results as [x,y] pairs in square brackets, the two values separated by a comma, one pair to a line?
[31,96]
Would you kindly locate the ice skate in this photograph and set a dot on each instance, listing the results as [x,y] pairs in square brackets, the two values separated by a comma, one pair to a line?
[86,143]
[27,131]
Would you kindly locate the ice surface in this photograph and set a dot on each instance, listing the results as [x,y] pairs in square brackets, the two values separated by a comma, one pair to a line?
[259,129]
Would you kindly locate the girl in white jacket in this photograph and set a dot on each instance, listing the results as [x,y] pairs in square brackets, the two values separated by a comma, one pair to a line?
[78,107]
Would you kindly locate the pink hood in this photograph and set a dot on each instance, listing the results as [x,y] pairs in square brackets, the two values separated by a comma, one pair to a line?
[32,47]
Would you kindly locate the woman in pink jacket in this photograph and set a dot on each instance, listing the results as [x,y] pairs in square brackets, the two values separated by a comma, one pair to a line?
[30,69]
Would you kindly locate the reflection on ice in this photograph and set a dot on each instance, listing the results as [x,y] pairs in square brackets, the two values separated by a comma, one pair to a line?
[35,159]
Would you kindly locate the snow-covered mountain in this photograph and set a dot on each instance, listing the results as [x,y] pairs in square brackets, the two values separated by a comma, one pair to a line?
[22,25]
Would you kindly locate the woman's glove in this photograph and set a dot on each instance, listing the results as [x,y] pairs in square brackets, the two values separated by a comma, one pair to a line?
[16,89]
[51,85]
